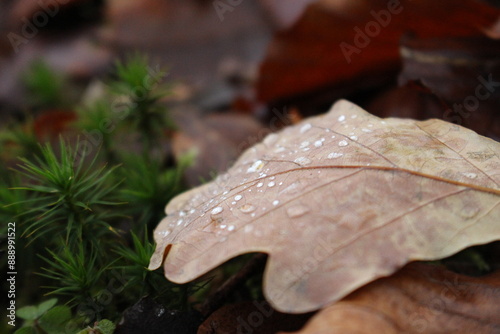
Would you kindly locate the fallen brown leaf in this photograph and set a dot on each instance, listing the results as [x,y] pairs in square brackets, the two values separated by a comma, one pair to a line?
[337,201]
[332,47]
[256,317]
[461,72]
[420,298]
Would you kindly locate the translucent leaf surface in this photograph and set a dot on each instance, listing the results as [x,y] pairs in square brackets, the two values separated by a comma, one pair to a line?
[337,201]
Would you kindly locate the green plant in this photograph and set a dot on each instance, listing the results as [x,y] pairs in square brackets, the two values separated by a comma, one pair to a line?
[45,318]
[19,140]
[78,274]
[141,85]
[70,198]
[96,120]
[16,199]
[102,327]
[45,86]
[148,186]
[85,213]
[71,212]
[134,263]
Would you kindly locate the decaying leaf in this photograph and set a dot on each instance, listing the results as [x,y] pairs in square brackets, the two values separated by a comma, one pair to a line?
[438,75]
[337,201]
[255,317]
[338,48]
[419,299]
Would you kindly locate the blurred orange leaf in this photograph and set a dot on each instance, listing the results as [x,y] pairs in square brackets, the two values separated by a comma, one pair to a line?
[356,43]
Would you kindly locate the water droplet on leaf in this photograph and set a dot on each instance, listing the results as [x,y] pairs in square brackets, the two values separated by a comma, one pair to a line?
[343,143]
[470,175]
[334,155]
[303,161]
[247,208]
[216,210]
[304,144]
[270,139]
[257,165]
[297,211]
[305,128]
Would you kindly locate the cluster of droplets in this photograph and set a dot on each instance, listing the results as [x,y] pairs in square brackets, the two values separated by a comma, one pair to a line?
[347,139]
[284,148]
[342,141]
[181,219]
[237,201]
[257,180]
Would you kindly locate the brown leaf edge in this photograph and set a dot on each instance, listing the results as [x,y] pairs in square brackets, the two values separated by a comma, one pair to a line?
[420,298]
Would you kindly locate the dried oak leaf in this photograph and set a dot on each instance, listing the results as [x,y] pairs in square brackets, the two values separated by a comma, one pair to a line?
[337,201]
[418,299]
